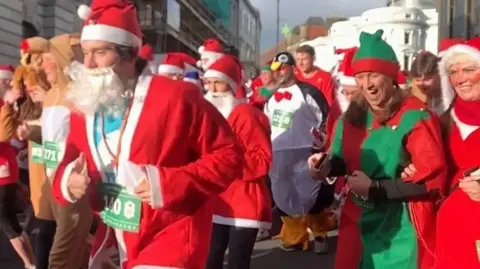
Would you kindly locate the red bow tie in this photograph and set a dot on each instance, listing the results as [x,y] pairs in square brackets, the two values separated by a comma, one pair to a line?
[280,95]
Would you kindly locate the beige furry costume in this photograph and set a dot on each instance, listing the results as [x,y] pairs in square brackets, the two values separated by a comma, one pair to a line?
[29,72]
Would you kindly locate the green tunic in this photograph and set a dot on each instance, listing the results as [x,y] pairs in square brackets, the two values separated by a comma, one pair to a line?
[387,233]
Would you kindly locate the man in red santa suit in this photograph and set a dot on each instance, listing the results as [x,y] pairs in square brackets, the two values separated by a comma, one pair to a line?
[175,64]
[244,207]
[149,151]
[210,52]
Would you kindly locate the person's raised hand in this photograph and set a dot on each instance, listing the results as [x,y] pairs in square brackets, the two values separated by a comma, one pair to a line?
[78,181]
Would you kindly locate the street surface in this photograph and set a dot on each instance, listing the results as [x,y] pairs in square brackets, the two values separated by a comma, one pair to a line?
[266,255]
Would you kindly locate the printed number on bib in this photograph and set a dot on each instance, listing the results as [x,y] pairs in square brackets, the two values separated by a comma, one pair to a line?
[282,119]
[121,210]
[51,154]
[36,153]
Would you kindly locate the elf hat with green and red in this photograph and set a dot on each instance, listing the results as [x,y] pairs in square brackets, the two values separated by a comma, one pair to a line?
[375,55]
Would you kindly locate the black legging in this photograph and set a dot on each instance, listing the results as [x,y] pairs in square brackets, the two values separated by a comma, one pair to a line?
[8,215]
[44,242]
[239,241]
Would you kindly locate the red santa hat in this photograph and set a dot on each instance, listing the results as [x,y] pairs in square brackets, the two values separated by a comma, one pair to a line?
[146,53]
[6,71]
[447,43]
[346,76]
[227,69]
[114,21]
[210,51]
[175,63]
[402,80]
[471,48]
[340,53]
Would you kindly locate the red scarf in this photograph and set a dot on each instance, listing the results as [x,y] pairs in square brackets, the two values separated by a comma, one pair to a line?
[467,112]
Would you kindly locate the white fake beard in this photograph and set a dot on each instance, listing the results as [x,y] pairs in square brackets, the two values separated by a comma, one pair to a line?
[93,89]
[223,101]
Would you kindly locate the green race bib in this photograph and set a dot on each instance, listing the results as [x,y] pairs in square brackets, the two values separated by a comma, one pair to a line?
[121,210]
[51,154]
[36,153]
[282,119]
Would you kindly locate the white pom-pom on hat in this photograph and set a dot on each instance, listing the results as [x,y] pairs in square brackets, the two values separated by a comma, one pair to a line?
[201,49]
[199,64]
[84,12]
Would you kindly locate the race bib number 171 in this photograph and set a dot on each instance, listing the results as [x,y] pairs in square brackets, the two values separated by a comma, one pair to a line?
[51,154]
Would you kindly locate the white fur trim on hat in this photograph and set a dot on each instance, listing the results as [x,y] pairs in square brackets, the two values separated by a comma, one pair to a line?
[111,34]
[4,74]
[199,64]
[169,69]
[84,12]
[345,80]
[201,49]
[222,76]
[448,93]
[211,55]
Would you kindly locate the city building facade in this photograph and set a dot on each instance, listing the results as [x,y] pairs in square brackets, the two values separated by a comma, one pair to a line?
[180,25]
[313,27]
[25,18]
[248,36]
[167,25]
[459,18]
[409,26]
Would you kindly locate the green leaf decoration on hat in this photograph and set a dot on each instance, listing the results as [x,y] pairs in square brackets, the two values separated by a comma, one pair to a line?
[266,92]
[267,68]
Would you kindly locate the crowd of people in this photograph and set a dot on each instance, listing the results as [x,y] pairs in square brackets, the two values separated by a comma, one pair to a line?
[135,166]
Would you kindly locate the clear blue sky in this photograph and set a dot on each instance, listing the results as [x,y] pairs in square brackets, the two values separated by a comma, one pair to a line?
[294,12]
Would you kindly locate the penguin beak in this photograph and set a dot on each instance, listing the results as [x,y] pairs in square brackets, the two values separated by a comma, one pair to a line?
[275,65]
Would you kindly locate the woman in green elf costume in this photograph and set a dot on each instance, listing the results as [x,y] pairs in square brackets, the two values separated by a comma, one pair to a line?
[387,222]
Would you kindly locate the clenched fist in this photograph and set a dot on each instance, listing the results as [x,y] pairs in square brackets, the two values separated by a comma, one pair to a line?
[78,181]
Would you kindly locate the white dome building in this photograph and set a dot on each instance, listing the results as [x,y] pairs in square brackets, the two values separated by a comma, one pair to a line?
[409,26]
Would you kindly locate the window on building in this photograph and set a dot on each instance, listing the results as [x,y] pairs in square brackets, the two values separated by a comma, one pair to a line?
[451,18]
[406,62]
[408,16]
[460,7]
[244,22]
[406,37]
[470,16]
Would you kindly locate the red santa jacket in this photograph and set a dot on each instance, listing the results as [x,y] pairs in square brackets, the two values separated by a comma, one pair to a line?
[458,221]
[247,202]
[8,164]
[189,154]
